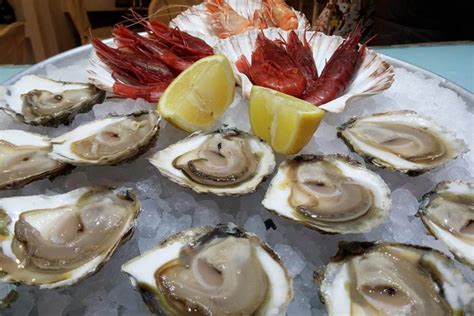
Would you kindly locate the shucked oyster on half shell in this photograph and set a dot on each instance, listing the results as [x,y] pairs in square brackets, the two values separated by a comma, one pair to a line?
[448,214]
[108,141]
[331,193]
[393,279]
[57,240]
[38,100]
[24,159]
[223,162]
[206,270]
[401,141]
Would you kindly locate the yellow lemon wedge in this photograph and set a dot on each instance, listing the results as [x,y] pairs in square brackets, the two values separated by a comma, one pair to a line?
[285,122]
[199,95]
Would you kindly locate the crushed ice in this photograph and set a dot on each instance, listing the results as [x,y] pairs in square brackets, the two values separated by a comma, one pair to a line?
[168,208]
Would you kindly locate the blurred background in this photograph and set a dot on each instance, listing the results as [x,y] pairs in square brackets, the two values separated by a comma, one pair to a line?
[32,30]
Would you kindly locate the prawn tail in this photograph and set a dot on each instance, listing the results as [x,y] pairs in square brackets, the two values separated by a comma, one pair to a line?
[243,65]
[149,93]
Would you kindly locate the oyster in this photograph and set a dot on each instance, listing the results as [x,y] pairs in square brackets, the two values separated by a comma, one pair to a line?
[108,141]
[448,213]
[206,270]
[24,159]
[38,100]
[53,241]
[393,279]
[223,162]
[401,141]
[331,193]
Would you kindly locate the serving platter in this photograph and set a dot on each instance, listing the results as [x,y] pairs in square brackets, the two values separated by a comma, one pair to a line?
[168,208]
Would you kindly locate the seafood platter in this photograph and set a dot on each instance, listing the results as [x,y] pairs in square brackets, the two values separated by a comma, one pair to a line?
[235,162]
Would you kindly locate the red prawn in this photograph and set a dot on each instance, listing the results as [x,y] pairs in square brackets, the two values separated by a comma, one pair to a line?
[134,78]
[273,67]
[178,42]
[302,55]
[143,45]
[338,72]
[144,66]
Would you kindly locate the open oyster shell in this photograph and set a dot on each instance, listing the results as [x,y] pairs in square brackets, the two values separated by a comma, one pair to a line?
[332,194]
[387,278]
[373,76]
[448,214]
[195,20]
[38,100]
[402,141]
[108,141]
[220,270]
[24,159]
[223,162]
[53,241]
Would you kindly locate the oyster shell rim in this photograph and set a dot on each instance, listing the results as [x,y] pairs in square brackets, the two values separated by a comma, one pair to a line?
[131,155]
[345,158]
[203,189]
[345,252]
[190,235]
[125,236]
[63,169]
[65,117]
[380,163]
[424,203]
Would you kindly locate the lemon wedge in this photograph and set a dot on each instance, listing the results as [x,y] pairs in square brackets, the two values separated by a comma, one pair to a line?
[199,95]
[285,122]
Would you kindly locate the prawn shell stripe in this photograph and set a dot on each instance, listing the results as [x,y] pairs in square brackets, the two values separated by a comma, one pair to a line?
[373,76]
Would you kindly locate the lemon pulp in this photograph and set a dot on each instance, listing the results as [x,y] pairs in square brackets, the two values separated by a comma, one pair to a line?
[199,96]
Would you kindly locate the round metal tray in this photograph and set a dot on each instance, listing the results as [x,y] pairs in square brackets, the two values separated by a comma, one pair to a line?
[83,52]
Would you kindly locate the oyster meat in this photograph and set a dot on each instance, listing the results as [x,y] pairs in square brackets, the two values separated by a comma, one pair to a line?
[401,141]
[223,162]
[38,100]
[24,159]
[393,279]
[206,270]
[448,213]
[333,194]
[108,141]
[53,241]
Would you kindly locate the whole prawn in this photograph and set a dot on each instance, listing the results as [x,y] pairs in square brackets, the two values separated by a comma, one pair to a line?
[134,77]
[261,19]
[144,46]
[273,67]
[281,14]
[144,66]
[338,72]
[224,20]
[178,42]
